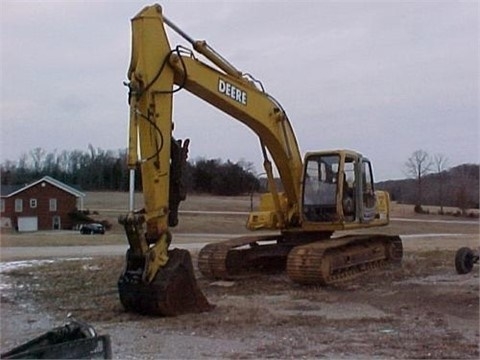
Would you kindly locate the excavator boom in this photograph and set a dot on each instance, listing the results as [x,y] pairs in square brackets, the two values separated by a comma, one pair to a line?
[156,280]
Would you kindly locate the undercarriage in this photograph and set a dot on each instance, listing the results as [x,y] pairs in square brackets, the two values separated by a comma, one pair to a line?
[309,258]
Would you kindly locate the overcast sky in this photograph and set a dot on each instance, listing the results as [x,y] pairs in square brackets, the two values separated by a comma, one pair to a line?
[384,78]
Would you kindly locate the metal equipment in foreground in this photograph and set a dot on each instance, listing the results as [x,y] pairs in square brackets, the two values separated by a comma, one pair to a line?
[74,340]
[465,258]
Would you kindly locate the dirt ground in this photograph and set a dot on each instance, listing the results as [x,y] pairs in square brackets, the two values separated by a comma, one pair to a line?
[421,309]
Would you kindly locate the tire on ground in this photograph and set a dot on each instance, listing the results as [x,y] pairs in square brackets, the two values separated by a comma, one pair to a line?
[464,260]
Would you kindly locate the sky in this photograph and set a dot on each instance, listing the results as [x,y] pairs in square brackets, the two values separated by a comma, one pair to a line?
[384,78]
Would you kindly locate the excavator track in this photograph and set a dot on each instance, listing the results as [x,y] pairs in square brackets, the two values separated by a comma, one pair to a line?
[235,257]
[342,259]
[321,262]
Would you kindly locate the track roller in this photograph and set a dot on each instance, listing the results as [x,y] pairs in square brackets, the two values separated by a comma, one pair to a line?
[342,259]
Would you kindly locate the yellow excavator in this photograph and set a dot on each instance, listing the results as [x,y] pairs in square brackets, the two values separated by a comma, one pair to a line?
[325,192]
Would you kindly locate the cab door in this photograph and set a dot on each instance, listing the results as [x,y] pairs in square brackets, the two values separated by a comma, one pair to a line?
[367,191]
[320,187]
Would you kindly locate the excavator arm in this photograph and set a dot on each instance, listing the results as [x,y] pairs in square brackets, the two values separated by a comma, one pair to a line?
[153,73]
[156,72]
[242,100]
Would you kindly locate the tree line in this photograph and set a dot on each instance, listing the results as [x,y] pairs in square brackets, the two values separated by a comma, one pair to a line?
[431,182]
[97,170]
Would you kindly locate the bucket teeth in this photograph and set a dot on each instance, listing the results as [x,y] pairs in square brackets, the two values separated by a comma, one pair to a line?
[174,290]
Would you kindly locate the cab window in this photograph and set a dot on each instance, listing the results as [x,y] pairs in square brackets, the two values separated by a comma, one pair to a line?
[320,187]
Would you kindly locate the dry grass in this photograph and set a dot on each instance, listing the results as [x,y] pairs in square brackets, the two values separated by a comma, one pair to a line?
[110,205]
[87,287]
[255,307]
[63,238]
[255,310]
[117,202]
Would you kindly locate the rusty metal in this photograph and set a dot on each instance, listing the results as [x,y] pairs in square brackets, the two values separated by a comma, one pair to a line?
[309,258]
[341,259]
[174,290]
[239,256]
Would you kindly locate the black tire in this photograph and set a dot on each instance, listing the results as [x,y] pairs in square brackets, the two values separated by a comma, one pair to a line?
[464,260]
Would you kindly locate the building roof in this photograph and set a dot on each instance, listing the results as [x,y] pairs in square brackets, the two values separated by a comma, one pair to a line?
[10,190]
[6,190]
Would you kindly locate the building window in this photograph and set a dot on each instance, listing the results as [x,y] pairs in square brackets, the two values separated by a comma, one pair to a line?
[2,205]
[53,204]
[18,205]
[33,203]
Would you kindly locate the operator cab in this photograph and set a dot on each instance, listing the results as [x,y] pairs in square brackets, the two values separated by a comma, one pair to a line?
[338,186]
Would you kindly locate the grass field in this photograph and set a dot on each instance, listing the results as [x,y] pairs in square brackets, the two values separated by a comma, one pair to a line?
[110,205]
[421,309]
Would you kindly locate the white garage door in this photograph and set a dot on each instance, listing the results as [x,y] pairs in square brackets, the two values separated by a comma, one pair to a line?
[28,223]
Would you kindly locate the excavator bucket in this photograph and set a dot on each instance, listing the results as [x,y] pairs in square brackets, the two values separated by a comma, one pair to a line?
[174,290]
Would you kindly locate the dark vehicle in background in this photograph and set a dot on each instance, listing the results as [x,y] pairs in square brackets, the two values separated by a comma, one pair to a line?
[93,228]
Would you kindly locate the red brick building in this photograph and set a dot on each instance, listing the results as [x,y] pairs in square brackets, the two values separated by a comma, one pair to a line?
[41,205]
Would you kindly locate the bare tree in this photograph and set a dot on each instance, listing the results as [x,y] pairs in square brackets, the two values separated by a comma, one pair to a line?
[417,166]
[38,157]
[463,182]
[440,163]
